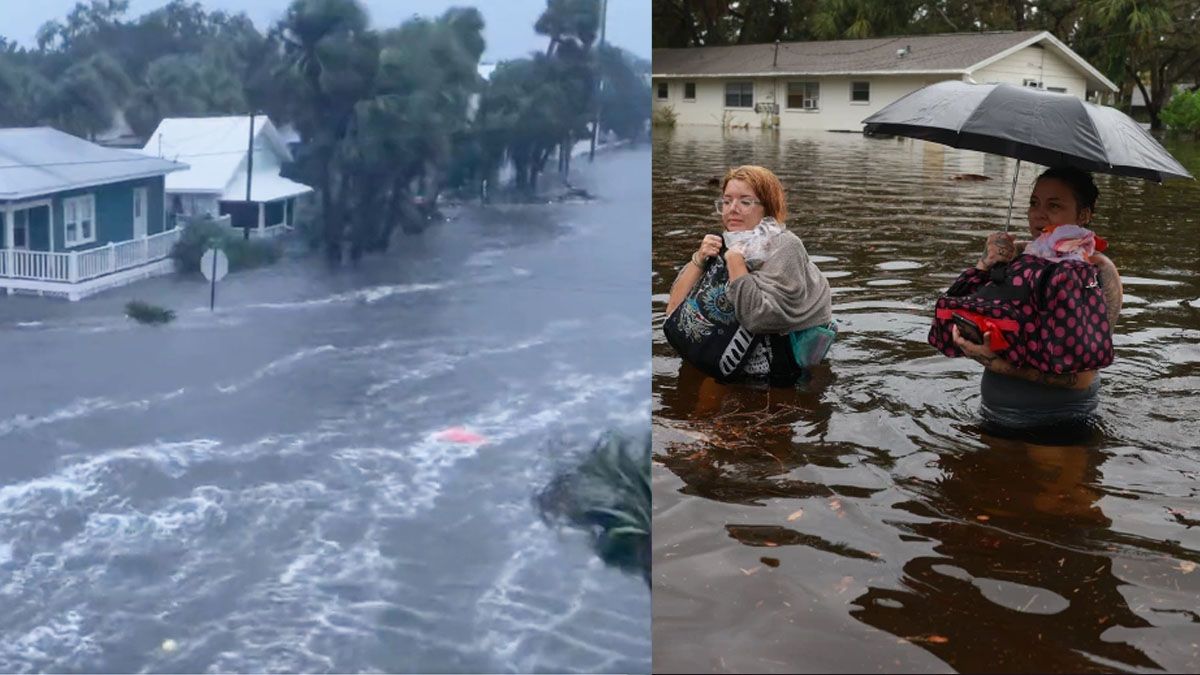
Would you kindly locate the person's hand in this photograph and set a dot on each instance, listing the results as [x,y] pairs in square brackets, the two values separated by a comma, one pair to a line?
[1000,248]
[976,352]
[734,255]
[710,246]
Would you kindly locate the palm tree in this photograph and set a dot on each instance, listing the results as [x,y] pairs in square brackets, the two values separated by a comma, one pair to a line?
[608,496]
[315,35]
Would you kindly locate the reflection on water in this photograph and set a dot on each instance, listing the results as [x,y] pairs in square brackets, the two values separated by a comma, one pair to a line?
[867,521]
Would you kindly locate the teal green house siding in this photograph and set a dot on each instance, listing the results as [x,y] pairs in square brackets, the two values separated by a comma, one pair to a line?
[114,212]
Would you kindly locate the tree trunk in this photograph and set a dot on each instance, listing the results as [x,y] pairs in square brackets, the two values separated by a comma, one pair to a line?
[393,215]
[567,160]
[1158,89]
[330,219]
[1150,104]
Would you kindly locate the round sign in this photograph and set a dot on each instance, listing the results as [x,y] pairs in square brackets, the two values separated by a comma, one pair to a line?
[213,257]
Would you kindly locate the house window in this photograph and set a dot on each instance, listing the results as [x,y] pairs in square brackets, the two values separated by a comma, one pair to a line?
[860,92]
[1036,84]
[689,91]
[1060,90]
[663,91]
[79,220]
[804,95]
[739,94]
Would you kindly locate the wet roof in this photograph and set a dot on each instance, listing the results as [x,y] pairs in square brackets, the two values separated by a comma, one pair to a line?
[40,160]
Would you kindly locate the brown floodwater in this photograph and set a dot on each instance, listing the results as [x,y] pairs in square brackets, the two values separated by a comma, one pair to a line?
[865,522]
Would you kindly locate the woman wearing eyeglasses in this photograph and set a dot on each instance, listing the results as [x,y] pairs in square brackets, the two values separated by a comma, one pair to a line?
[757,277]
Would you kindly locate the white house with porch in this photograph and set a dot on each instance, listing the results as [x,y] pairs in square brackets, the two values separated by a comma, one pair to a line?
[833,85]
[78,218]
[217,150]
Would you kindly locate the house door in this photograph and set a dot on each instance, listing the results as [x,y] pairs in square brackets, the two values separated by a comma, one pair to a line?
[21,230]
[139,213]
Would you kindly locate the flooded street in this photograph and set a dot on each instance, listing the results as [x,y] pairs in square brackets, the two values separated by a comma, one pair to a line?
[865,523]
[265,485]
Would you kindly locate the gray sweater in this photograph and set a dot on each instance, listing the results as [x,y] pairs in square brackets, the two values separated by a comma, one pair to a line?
[787,293]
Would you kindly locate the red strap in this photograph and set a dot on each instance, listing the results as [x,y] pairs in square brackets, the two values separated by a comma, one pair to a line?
[985,324]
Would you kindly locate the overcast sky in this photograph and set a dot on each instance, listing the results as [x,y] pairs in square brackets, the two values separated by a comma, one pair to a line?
[509,31]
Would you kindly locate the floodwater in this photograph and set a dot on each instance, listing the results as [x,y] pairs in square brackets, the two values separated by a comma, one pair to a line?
[263,488]
[864,522]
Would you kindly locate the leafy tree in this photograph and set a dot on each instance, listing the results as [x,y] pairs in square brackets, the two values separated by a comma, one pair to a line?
[324,40]
[1182,112]
[87,94]
[1151,44]
[625,94]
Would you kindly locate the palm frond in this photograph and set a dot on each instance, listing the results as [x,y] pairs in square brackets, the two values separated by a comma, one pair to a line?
[607,494]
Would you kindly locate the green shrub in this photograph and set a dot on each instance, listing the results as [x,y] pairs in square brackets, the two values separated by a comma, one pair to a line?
[1182,112]
[200,235]
[144,312]
[664,116]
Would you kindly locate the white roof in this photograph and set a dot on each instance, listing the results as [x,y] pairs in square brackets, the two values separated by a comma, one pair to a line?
[267,186]
[40,160]
[215,148]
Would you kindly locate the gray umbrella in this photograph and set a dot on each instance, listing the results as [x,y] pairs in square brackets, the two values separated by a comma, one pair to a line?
[1028,124]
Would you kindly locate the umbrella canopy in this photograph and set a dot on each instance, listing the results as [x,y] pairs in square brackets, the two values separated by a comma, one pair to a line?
[1028,124]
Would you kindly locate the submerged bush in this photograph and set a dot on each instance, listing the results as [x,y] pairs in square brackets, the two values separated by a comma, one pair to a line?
[200,235]
[607,495]
[664,116]
[144,312]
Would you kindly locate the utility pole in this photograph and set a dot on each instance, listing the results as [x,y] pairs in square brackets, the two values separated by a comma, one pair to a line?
[599,82]
[249,169]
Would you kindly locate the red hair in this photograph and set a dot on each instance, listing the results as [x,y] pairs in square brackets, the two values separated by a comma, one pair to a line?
[766,187]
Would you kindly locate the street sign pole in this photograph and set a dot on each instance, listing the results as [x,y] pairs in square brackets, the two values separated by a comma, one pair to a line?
[212,298]
[214,265]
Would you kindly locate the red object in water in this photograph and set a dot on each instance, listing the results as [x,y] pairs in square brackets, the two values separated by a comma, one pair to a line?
[460,435]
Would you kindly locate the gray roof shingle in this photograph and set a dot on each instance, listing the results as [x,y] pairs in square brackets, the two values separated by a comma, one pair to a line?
[927,53]
[40,160]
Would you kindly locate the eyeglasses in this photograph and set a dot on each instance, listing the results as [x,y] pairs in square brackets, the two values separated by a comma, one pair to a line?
[723,204]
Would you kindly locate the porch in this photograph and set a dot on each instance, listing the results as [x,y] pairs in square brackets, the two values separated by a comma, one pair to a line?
[259,220]
[77,274]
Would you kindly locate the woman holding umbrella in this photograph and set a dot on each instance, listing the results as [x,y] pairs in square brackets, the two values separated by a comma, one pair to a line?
[1026,396]
[1041,327]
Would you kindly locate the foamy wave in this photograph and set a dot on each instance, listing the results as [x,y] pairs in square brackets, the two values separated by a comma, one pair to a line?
[274,367]
[512,624]
[82,408]
[368,295]
[57,644]
[179,520]
[484,258]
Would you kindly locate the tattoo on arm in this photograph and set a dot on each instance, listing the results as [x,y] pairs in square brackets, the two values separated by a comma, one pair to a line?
[1110,283]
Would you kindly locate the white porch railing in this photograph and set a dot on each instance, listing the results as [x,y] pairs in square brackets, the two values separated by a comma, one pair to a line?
[76,266]
[255,233]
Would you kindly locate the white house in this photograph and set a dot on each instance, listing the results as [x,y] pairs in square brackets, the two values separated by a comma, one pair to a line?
[833,85]
[216,149]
